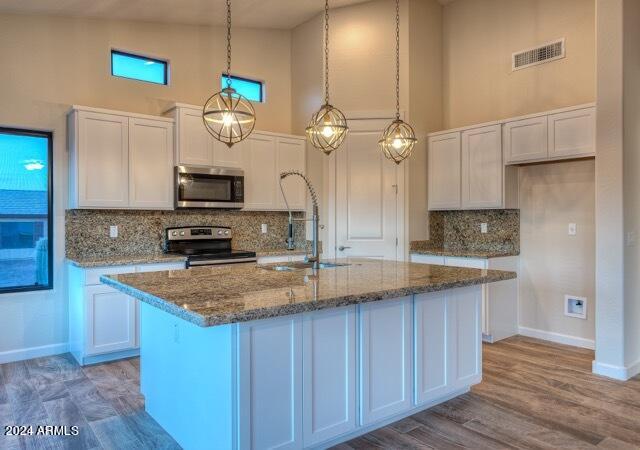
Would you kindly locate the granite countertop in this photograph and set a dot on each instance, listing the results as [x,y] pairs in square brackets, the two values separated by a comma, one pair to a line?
[90,261]
[208,296]
[461,253]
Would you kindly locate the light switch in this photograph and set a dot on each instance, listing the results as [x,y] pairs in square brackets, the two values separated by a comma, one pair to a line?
[113,231]
[483,228]
[264,228]
[572,229]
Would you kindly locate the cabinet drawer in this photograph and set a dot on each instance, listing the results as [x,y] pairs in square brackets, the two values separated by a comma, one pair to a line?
[467,262]
[428,259]
[159,267]
[92,276]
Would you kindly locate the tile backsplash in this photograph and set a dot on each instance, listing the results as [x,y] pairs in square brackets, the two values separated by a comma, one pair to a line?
[460,230]
[141,232]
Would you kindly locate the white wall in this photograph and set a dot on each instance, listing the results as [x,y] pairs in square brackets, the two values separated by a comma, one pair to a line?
[552,263]
[49,63]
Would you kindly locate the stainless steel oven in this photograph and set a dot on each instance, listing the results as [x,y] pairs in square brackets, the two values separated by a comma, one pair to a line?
[209,187]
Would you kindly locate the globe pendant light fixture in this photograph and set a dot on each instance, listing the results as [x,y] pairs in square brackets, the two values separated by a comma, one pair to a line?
[227,115]
[398,139]
[328,126]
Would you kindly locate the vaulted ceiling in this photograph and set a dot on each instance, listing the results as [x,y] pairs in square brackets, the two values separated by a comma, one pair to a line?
[282,14]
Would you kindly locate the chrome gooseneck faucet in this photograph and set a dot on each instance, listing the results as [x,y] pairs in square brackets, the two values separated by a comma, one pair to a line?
[314,259]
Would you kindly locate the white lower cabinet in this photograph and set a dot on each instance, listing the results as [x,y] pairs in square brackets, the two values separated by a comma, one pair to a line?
[104,322]
[270,385]
[280,259]
[111,320]
[499,300]
[386,332]
[329,367]
[448,344]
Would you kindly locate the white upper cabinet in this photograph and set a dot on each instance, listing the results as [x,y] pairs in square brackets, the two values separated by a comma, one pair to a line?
[119,160]
[194,144]
[444,171]
[260,166]
[225,156]
[572,133]
[525,140]
[100,161]
[291,156]
[482,168]
[150,164]
[265,155]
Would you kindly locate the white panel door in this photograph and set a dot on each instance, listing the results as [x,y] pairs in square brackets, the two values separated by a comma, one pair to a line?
[195,144]
[260,172]
[366,195]
[150,164]
[110,320]
[482,168]
[103,161]
[572,133]
[270,354]
[291,156]
[225,156]
[444,171]
[465,335]
[386,358]
[525,140]
[431,346]
[329,392]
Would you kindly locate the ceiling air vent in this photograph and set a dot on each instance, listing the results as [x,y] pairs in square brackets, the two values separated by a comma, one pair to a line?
[539,55]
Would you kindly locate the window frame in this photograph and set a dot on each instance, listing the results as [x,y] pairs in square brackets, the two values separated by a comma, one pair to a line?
[262,84]
[164,62]
[50,244]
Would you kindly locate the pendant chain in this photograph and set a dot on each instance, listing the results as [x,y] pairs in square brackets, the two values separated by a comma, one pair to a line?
[228,43]
[398,59]
[326,52]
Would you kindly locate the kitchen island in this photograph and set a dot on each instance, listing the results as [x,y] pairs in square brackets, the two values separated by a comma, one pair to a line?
[247,356]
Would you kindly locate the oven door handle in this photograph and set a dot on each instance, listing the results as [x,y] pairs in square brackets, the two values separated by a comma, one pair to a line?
[212,262]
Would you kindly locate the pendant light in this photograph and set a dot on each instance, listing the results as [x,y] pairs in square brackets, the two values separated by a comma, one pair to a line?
[227,115]
[398,139]
[328,126]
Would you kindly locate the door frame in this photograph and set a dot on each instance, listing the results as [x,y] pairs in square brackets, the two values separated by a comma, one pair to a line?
[330,192]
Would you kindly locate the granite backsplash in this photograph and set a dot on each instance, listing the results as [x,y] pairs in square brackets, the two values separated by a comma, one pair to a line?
[460,230]
[141,232]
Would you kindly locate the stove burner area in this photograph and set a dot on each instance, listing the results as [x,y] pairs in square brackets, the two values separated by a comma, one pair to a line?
[205,246]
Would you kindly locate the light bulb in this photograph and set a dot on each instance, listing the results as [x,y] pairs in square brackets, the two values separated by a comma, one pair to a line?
[327,131]
[397,143]
[227,119]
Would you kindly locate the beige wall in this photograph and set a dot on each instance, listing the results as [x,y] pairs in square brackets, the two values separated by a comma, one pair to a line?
[362,78]
[66,61]
[479,38]
[50,63]
[552,263]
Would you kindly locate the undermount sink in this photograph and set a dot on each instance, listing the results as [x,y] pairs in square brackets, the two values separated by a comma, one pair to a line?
[303,265]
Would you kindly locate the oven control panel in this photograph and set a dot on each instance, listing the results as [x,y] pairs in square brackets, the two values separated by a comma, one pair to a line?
[198,233]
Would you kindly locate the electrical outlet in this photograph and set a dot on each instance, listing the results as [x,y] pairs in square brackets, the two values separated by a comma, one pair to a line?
[573,229]
[113,231]
[264,228]
[484,228]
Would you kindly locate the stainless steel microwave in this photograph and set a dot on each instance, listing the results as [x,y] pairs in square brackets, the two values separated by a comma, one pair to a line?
[209,187]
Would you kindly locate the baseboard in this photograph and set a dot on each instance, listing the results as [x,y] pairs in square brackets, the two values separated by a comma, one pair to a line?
[616,372]
[33,352]
[557,337]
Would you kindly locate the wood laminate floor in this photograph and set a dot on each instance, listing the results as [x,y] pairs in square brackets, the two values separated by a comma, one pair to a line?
[534,395]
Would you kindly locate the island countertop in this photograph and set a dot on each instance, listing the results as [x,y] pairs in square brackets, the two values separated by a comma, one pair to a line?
[216,295]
